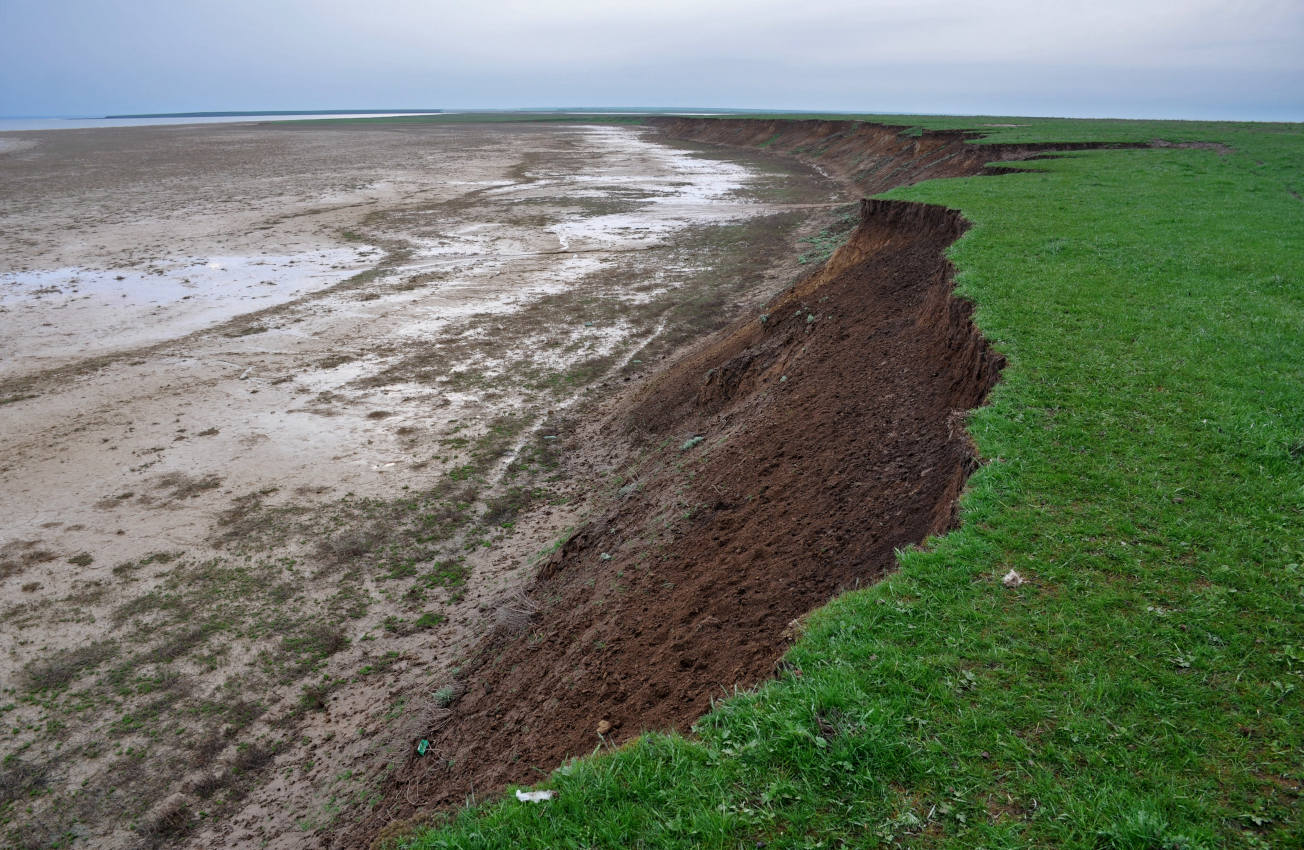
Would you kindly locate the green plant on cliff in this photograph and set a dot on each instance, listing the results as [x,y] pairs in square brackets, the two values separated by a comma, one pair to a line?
[829,239]
[1145,686]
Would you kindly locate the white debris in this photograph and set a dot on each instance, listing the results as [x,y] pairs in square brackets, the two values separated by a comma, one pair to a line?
[1012,579]
[534,796]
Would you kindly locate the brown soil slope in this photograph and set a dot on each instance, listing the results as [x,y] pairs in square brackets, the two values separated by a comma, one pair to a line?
[871,157]
[831,434]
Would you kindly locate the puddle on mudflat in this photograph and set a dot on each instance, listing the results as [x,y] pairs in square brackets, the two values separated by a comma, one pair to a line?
[56,315]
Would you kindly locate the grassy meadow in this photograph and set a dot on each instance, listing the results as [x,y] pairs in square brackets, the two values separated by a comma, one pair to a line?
[1144,688]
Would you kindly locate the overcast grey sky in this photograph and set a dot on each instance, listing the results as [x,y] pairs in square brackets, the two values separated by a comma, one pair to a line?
[1120,58]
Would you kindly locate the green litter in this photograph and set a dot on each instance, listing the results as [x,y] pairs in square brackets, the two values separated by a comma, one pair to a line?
[422,746]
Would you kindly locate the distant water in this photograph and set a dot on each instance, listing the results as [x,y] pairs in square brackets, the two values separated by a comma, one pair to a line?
[7,124]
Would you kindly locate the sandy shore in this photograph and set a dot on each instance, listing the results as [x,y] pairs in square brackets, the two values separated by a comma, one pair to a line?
[179,368]
[256,379]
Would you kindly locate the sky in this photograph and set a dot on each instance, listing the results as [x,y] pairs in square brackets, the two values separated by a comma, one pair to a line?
[1197,59]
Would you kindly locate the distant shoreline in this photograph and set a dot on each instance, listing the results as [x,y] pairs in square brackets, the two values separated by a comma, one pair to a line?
[260,113]
[13,124]
[17,124]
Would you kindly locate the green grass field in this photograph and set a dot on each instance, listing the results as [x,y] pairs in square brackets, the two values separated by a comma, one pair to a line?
[1145,475]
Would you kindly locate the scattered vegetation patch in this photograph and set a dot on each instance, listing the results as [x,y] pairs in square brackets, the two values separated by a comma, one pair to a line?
[310,645]
[178,486]
[247,330]
[19,778]
[18,555]
[64,666]
[428,620]
[823,244]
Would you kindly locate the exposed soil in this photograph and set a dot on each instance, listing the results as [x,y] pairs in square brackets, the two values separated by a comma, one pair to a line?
[872,158]
[776,464]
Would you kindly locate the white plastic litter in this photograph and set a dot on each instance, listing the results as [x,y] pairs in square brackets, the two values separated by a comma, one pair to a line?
[534,796]
[1012,579]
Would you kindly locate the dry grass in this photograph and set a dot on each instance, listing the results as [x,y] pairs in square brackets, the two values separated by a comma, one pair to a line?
[179,485]
[516,613]
[66,665]
[18,778]
[18,555]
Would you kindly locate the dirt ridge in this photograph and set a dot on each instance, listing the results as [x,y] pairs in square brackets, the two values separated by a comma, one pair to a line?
[777,464]
[872,158]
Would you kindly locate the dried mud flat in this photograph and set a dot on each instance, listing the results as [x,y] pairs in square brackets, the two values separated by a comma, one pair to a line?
[289,416]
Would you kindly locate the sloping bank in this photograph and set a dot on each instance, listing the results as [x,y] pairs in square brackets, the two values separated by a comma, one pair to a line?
[784,461]
[775,466]
[872,158]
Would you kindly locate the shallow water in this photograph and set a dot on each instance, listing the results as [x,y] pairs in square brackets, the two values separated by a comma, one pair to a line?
[52,315]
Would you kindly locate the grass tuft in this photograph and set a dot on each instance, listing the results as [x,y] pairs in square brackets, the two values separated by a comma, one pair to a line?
[65,666]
